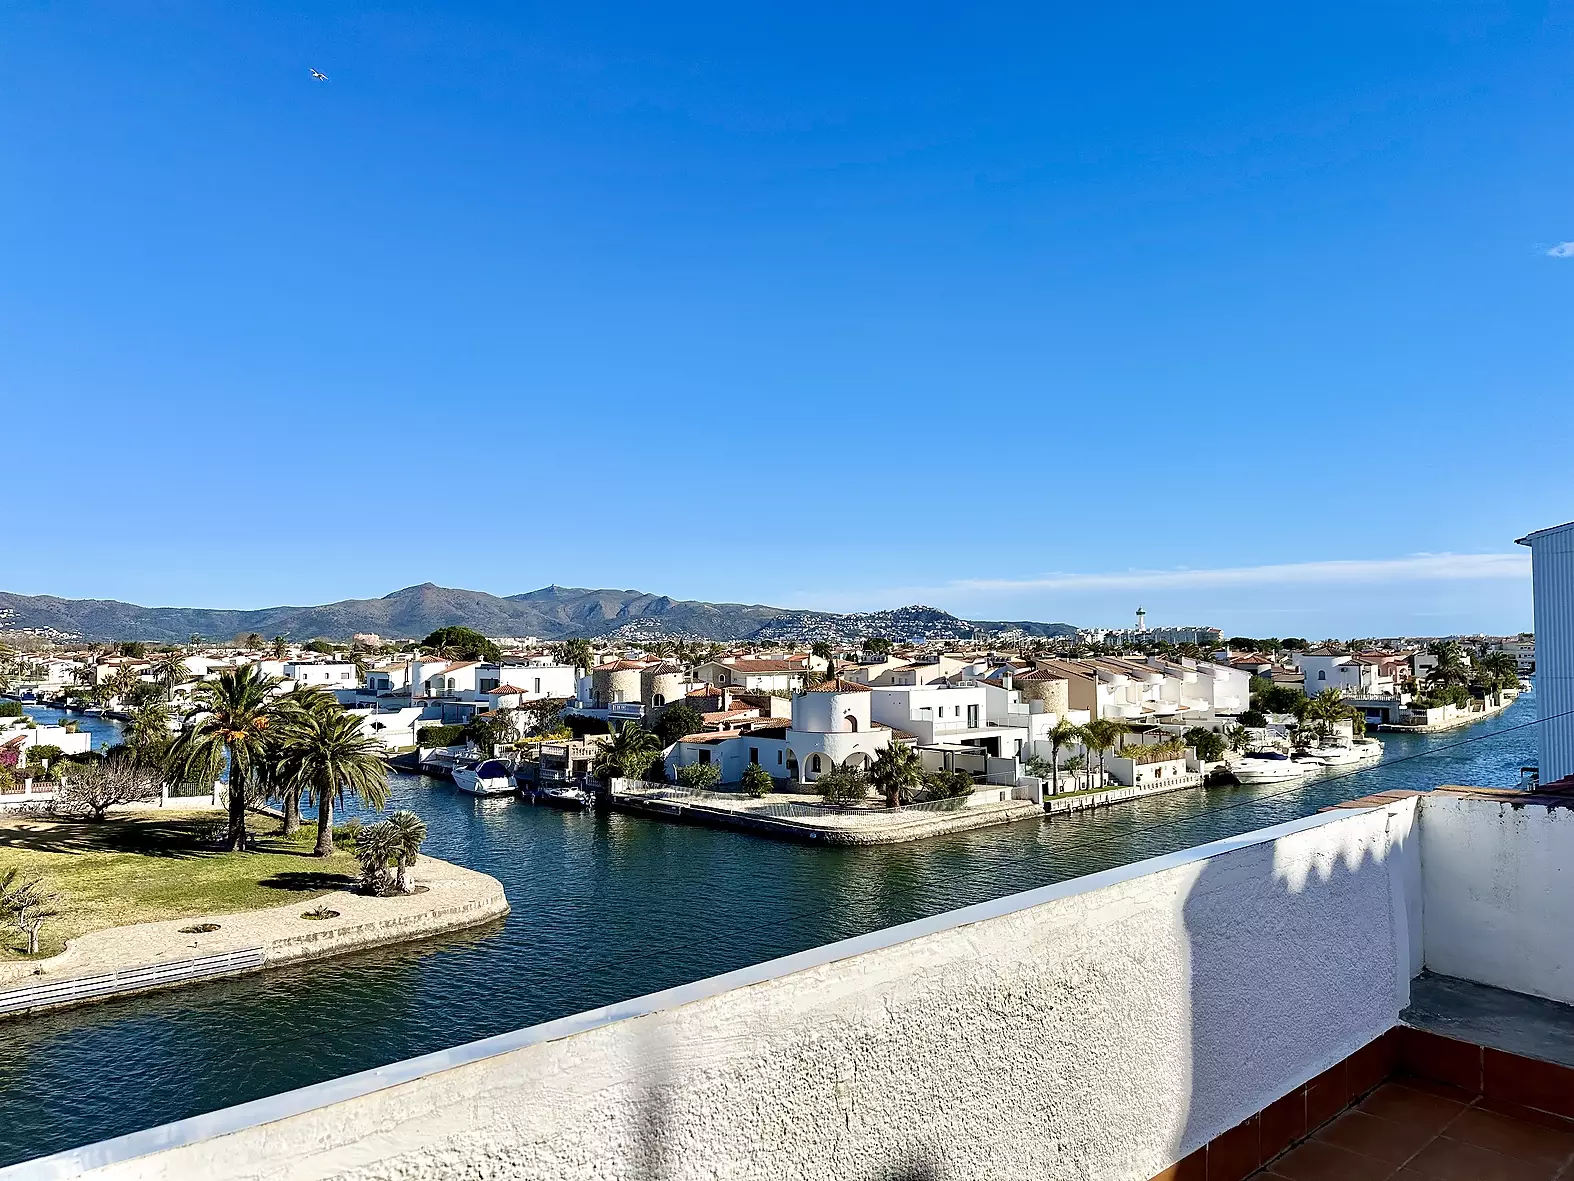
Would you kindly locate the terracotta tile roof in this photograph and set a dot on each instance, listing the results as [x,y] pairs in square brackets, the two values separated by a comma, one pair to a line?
[501,689]
[711,736]
[666,666]
[838,686]
[762,666]
[722,715]
[619,666]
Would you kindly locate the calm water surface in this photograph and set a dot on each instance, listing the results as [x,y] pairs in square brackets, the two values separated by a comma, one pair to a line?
[605,908]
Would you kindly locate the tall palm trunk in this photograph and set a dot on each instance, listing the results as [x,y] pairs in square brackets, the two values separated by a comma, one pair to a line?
[292,811]
[324,822]
[238,835]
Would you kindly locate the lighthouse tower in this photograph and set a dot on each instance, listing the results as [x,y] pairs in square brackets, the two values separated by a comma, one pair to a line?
[1142,620]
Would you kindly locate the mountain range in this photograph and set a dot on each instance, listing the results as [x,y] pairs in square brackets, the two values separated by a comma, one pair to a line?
[551,613]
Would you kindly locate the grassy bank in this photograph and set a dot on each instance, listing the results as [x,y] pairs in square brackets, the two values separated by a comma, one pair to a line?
[144,867]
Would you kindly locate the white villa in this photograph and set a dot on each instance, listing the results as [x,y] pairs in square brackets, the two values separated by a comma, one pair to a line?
[831,725]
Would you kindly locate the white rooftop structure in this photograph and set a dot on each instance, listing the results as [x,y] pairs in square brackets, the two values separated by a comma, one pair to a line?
[1552,581]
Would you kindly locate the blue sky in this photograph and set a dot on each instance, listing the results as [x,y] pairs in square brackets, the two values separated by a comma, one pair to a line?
[1252,314]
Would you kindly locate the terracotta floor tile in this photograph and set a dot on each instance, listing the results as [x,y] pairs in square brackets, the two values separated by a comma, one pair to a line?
[1512,1137]
[1543,1119]
[1406,1105]
[1441,1090]
[1454,1160]
[1391,1140]
[1317,1160]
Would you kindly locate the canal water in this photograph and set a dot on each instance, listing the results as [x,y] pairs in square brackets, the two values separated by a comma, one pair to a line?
[606,907]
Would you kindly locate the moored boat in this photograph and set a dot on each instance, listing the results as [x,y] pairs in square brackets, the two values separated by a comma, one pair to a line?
[1271,767]
[491,777]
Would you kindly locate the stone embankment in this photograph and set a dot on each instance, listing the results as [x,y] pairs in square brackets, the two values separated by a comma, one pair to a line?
[796,822]
[1466,718]
[149,956]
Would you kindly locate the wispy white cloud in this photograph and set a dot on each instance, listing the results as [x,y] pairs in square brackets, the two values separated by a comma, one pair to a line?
[1413,568]
[1562,250]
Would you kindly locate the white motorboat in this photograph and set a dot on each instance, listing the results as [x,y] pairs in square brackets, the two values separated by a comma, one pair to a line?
[1364,750]
[564,795]
[1271,767]
[491,777]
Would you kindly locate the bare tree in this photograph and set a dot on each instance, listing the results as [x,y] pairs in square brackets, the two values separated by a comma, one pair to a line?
[91,789]
[27,904]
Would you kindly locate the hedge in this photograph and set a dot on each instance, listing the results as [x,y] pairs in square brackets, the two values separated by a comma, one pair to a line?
[440,735]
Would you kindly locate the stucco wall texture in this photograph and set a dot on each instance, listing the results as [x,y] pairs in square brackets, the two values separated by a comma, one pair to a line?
[1499,892]
[1097,1029]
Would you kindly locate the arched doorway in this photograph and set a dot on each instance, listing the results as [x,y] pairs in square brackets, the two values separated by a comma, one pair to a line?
[792,766]
[850,724]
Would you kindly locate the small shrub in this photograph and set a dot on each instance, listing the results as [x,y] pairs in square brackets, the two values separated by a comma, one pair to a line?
[756,781]
[347,834]
[841,785]
[1208,744]
[11,709]
[946,785]
[699,776]
[44,754]
[376,848]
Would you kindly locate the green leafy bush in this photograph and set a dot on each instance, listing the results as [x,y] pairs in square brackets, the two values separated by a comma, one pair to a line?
[44,753]
[946,785]
[440,735]
[1208,745]
[11,709]
[756,781]
[699,776]
[842,785]
[1254,719]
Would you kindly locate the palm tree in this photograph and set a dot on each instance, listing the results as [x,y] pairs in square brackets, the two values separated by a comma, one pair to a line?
[896,774]
[232,723]
[409,830]
[1325,709]
[328,752]
[1450,667]
[1064,733]
[576,652]
[1239,738]
[1502,668]
[148,733]
[281,647]
[303,698]
[627,756]
[170,670]
[1100,736]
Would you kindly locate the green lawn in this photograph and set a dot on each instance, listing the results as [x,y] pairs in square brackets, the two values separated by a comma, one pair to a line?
[143,867]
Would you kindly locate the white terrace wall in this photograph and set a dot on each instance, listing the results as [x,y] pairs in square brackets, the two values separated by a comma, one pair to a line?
[1098,1029]
[1499,892]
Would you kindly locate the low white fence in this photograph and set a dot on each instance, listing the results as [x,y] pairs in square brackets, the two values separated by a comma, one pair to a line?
[85,988]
